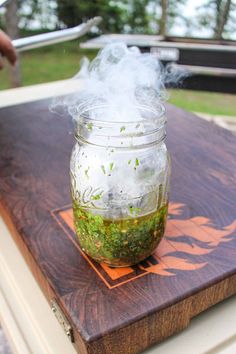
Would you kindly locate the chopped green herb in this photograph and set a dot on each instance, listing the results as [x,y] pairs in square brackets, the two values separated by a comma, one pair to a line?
[97,196]
[86,172]
[129,162]
[122,129]
[137,162]
[134,210]
[103,169]
[111,166]
[90,126]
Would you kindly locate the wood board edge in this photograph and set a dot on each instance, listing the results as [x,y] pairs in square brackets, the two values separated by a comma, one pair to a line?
[37,273]
[153,329]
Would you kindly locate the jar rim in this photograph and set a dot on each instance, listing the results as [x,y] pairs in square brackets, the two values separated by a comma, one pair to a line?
[157,113]
[122,134]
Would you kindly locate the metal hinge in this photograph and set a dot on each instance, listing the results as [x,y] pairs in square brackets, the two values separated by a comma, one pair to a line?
[62,319]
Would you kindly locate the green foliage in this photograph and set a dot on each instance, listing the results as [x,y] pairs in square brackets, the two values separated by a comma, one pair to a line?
[139,19]
[128,16]
[40,10]
[73,12]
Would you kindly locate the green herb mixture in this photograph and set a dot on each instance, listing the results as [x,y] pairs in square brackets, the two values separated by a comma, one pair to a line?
[120,242]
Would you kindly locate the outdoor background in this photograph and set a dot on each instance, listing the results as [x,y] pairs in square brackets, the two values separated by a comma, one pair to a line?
[202,18]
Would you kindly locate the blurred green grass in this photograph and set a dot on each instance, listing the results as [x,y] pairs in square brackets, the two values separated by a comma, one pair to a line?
[206,102]
[47,64]
[62,61]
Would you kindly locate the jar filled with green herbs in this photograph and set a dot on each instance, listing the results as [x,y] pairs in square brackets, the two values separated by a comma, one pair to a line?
[120,174]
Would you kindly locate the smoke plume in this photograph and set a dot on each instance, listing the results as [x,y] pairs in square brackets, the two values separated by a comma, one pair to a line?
[120,80]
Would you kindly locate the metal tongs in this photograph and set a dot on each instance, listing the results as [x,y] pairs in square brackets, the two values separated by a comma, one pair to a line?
[45,39]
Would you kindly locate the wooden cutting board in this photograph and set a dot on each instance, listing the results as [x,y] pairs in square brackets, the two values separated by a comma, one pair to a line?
[122,311]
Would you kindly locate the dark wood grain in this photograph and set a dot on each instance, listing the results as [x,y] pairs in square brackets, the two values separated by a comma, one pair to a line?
[35,149]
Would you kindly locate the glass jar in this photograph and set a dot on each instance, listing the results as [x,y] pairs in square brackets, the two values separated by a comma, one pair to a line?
[119,184]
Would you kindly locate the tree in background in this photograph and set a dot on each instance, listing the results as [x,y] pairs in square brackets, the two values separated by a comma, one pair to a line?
[37,13]
[140,18]
[27,10]
[127,16]
[219,16]
[12,29]
[223,14]
[174,13]
[17,11]
[72,12]
[164,17]
[166,13]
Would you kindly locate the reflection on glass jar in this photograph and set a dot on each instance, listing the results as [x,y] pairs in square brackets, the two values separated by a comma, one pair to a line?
[119,184]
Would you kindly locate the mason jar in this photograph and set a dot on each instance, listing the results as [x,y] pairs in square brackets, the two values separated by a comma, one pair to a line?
[120,175]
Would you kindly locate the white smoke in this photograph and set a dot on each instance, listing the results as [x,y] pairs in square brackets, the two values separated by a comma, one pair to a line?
[120,80]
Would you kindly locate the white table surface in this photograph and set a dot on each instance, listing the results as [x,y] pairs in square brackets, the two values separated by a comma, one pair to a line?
[27,318]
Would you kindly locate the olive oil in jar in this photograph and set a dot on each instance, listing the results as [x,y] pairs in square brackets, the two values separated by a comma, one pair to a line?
[119,242]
